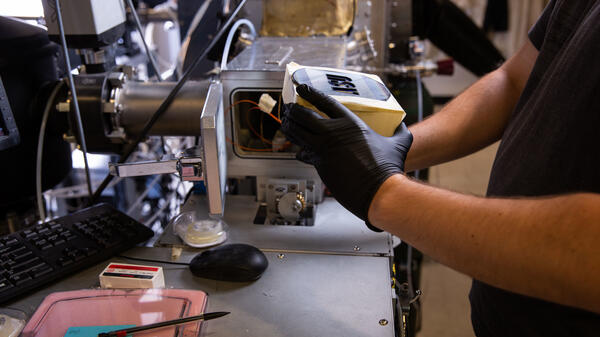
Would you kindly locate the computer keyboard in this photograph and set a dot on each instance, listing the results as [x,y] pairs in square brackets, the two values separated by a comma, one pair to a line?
[43,253]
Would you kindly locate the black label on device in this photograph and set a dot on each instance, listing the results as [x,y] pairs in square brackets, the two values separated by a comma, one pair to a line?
[341,84]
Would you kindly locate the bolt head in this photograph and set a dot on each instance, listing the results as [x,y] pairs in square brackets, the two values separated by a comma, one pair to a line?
[383,322]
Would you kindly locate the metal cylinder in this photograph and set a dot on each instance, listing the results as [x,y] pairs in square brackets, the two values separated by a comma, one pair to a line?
[138,101]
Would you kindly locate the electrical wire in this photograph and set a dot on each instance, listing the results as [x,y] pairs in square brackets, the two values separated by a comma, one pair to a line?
[138,25]
[167,101]
[263,139]
[245,148]
[188,36]
[40,151]
[151,260]
[252,102]
[236,25]
[63,40]
[409,252]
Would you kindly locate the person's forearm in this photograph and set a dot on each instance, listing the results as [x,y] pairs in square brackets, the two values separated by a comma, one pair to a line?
[533,246]
[474,119]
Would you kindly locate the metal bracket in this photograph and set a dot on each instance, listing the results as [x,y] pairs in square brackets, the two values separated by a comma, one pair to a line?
[188,165]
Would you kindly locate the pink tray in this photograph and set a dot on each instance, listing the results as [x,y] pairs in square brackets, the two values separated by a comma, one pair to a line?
[62,310]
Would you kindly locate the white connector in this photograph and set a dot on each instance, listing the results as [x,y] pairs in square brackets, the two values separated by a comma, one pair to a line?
[266,103]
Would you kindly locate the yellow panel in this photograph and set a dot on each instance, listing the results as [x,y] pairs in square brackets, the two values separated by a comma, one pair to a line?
[307,17]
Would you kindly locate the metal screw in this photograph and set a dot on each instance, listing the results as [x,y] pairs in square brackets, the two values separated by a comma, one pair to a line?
[383,322]
[280,256]
[356,248]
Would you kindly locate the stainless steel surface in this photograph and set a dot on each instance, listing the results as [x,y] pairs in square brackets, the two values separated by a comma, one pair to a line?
[138,101]
[298,295]
[373,15]
[336,231]
[91,56]
[310,51]
[214,150]
[152,15]
[143,168]
[188,165]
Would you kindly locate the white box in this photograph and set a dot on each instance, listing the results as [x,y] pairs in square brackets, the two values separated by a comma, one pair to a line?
[122,275]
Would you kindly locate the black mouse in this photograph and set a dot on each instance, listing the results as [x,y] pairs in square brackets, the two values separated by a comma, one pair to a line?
[235,262]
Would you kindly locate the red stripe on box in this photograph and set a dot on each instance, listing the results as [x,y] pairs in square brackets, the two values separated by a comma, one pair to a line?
[121,266]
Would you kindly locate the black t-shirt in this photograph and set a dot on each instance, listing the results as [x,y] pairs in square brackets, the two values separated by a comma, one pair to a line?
[550,146]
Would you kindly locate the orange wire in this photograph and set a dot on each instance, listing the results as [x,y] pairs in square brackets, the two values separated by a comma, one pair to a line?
[287,144]
[253,130]
[249,101]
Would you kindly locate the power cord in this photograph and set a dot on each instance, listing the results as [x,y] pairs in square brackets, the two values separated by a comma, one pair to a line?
[40,151]
[151,260]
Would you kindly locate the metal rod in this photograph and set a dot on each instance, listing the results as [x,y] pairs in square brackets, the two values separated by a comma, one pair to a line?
[138,25]
[74,95]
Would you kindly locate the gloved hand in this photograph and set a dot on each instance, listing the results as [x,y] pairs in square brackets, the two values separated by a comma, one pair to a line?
[351,159]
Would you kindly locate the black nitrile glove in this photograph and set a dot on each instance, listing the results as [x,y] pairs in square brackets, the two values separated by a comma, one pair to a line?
[351,159]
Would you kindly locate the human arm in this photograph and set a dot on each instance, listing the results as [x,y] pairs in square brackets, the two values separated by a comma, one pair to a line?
[541,247]
[474,119]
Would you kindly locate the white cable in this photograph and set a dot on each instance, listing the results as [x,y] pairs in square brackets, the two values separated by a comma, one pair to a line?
[230,36]
[40,150]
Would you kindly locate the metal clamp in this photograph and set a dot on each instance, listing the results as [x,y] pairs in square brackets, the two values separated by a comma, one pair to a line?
[188,165]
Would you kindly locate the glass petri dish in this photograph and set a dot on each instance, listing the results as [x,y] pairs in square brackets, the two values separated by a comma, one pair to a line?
[199,232]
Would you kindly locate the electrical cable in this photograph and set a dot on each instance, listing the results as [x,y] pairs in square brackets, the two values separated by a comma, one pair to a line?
[40,151]
[409,252]
[252,102]
[138,25]
[63,40]
[167,101]
[151,260]
[230,36]
[263,139]
[245,148]
[188,36]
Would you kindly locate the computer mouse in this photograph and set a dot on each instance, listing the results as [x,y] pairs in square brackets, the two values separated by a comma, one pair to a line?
[235,262]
